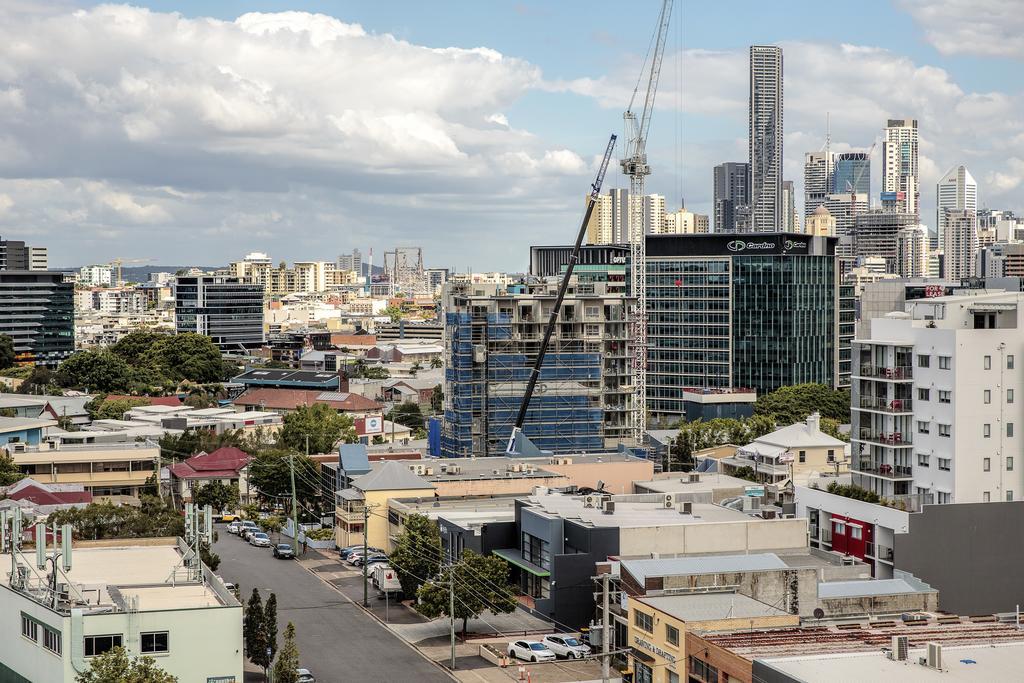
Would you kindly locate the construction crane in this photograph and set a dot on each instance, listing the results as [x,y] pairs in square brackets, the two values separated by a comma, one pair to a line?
[118,262]
[634,165]
[574,257]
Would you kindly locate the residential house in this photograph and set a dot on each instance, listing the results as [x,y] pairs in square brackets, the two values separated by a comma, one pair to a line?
[798,452]
[366,501]
[227,465]
[24,430]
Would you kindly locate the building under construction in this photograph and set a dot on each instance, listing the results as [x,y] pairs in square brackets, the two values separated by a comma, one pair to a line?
[492,336]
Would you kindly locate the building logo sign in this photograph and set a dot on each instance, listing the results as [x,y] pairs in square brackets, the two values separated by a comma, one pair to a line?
[790,244]
[374,425]
[740,245]
[618,259]
[651,647]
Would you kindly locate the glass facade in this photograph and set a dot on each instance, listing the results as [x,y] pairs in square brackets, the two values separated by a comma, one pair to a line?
[37,310]
[225,309]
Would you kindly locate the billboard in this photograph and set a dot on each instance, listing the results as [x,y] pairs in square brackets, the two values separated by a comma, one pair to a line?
[740,244]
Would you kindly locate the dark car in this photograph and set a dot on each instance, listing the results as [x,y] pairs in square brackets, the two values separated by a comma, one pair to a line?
[374,558]
[283,551]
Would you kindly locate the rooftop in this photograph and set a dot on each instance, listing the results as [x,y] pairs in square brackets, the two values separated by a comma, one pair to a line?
[629,514]
[290,399]
[17,424]
[391,475]
[858,589]
[704,564]
[712,606]
[678,482]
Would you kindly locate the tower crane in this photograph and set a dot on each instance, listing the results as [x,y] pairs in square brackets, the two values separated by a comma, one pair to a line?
[634,164]
[118,262]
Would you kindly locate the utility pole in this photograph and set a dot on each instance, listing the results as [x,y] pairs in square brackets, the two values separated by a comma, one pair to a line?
[605,630]
[366,554]
[451,595]
[295,502]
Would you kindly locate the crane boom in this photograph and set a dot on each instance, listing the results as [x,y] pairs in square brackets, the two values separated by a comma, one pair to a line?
[531,384]
[634,164]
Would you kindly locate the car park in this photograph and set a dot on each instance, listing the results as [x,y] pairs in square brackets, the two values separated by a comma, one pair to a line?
[530,651]
[283,551]
[259,539]
[566,646]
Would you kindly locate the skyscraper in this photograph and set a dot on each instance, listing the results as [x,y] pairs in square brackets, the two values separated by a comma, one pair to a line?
[899,166]
[852,173]
[599,227]
[731,192]
[818,168]
[765,126]
[956,190]
[912,251]
[959,243]
[789,222]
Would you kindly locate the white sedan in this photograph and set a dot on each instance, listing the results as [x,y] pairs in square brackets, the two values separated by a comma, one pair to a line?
[530,651]
[567,646]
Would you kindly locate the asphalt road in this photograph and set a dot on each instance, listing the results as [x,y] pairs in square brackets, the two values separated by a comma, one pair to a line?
[337,641]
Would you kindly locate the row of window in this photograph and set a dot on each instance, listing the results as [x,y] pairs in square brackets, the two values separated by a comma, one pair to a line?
[30,630]
[926,428]
[924,394]
[924,361]
[154,642]
[925,460]
[986,497]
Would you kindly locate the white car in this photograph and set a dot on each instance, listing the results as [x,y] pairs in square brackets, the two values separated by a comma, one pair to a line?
[304,676]
[259,539]
[530,651]
[567,646]
[234,527]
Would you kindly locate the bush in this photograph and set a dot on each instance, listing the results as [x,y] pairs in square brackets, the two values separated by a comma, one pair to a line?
[320,534]
[855,492]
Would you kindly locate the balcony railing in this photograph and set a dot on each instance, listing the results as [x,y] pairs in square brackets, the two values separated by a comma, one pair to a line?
[885,470]
[890,439]
[898,372]
[896,405]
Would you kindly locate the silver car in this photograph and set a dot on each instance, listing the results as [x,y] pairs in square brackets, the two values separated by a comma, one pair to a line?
[567,646]
[259,539]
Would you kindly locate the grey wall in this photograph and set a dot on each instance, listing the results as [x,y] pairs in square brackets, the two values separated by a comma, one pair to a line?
[971,552]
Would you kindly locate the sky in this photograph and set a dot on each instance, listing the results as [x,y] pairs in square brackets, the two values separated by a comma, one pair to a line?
[196,132]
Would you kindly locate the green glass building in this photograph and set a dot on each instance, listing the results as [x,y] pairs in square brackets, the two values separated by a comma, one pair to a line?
[37,311]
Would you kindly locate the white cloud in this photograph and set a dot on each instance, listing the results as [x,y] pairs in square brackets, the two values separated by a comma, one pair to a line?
[979,27]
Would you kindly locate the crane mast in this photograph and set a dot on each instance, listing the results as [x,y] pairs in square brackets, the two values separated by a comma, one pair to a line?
[634,164]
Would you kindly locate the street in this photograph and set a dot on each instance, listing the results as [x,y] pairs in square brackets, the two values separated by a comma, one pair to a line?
[337,641]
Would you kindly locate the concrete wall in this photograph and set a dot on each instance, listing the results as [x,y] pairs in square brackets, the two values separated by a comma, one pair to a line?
[496,486]
[618,477]
[969,552]
[714,537]
[881,604]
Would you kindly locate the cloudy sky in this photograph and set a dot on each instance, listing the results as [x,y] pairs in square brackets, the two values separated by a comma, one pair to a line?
[471,128]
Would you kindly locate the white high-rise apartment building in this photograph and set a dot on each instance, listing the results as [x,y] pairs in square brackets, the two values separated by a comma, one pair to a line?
[684,222]
[789,218]
[956,190]
[934,406]
[899,166]
[959,230]
[912,251]
[654,213]
[818,170]
[765,132]
[96,275]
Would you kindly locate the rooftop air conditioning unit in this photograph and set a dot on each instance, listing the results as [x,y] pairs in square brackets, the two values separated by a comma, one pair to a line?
[686,508]
[900,648]
[455,469]
[495,472]
[669,500]
[591,501]
[934,656]
[694,478]
[609,507]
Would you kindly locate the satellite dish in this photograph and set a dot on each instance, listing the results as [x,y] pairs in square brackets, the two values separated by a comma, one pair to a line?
[819,613]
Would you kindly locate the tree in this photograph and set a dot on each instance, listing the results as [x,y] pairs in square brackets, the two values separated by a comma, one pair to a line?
[435,362]
[407,414]
[134,345]
[100,371]
[253,635]
[324,426]
[38,381]
[115,666]
[270,474]
[480,584]
[831,427]
[209,558]
[700,434]
[153,518]
[376,372]
[6,352]
[186,357]
[417,554]
[218,495]
[287,664]
[437,400]
[415,368]
[793,404]
[393,312]
[102,409]
[270,624]
[9,472]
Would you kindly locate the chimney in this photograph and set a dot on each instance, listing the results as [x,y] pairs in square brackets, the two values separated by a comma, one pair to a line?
[814,423]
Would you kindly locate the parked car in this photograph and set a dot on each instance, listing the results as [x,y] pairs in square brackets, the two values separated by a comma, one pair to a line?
[372,559]
[530,651]
[566,646]
[304,676]
[259,539]
[345,552]
[283,551]
[228,517]
[234,527]
[358,554]
[246,526]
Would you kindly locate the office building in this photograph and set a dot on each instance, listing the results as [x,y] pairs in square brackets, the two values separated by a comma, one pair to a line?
[845,208]
[956,191]
[959,230]
[789,220]
[1004,225]
[353,262]
[934,410]
[730,311]
[875,233]
[600,227]
[37,310]
[818,170]
[492,336]
[731,193]
[820,223]
[900,190]
[852,173]
[38,258]
[912,251]
[226,309]
[765,138]
[1001,260]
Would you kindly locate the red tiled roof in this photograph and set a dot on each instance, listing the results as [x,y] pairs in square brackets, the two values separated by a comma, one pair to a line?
[223,463]
[172,401]
[41,496]
[290,399]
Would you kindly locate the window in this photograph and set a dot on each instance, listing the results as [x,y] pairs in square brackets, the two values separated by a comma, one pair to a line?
[986,497]
[97,645]
[701,669]
[986,464]
[29,628]
[987,396]
[154,642]
[803,456]
[1009,496]
[922,459]
[1009,395]
[1009,429]
[644,673]
[51,640]
[942,497]
[944,430]
[986,430]
[922,427]
[856,532]
[944,464]
[923,394]
[1009,463]
[643,621]
[987,362]
[944,362]
[1009,362]
[671,634]
[922,361]
[945,396]
[537,551]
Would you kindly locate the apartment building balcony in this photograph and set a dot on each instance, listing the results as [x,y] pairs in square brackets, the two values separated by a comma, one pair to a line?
[885,471]
[879,552]
[889,440]
[897,373]
[895,406]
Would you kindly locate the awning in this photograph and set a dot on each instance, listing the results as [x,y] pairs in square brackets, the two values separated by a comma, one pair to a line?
[641,655]
[514,556]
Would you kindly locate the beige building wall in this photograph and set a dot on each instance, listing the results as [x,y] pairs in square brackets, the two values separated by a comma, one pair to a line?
[714,537]
[496,486]
[618,477]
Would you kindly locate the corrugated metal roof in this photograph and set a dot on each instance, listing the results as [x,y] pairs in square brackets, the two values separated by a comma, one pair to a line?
[854,589]
[711,564]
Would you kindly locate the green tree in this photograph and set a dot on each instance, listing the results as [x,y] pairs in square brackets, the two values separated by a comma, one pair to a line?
[376,372]
[435,362]
[134,345]
[393,312]
[793,404]
[480,585]
[95,521]
[218,495]
[270,474]
[831,427]
[9,472]
[417,553]
[437,400]
[270,624]
[102,409]
[253,635]
[101,371]
[323,425]
[38,381]
[209,558]
[287,664]
[186,357]
[115,666]
[407,414]
[415,368]
[6,352]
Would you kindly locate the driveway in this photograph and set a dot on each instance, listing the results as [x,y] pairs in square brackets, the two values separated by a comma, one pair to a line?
[337,641]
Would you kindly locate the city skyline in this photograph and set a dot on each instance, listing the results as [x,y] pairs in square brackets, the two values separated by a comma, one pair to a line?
[254,160]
